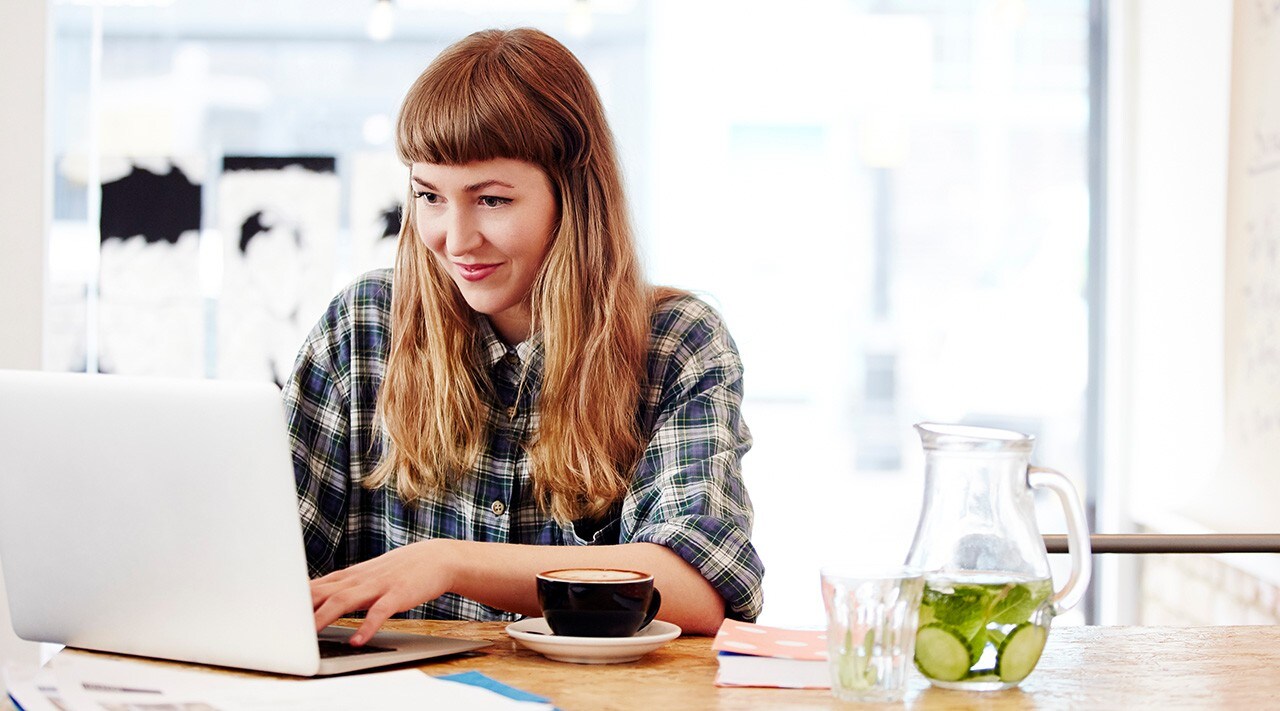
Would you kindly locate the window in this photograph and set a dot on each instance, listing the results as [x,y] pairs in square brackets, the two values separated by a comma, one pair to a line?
[888,201]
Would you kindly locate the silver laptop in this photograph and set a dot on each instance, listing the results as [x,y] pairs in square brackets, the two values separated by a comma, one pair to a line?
[159,518]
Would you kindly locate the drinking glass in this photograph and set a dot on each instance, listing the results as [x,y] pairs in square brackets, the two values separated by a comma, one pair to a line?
[871,631]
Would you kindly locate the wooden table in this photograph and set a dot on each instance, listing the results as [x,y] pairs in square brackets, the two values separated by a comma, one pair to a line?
[1082,668]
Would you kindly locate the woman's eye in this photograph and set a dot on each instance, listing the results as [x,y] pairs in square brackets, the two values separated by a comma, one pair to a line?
[490,201]
[429,198]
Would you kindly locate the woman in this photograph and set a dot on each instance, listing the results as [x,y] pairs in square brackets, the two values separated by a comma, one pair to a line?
[514,398]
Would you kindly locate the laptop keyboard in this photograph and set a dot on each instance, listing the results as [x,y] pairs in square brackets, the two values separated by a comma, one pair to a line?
[330,649]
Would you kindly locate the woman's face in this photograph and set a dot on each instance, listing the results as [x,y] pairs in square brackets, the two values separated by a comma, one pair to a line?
[489,224]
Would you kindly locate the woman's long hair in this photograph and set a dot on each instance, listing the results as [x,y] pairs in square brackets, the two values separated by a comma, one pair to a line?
[522,95]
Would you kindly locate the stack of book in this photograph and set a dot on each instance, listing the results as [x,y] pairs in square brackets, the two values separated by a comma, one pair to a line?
[757,655]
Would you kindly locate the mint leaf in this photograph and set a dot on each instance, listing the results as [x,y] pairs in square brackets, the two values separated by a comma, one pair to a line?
[996,636]
[1017,605]
[964,609]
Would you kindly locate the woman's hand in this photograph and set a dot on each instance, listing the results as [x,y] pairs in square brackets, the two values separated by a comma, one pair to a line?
[393,582]
[502,575]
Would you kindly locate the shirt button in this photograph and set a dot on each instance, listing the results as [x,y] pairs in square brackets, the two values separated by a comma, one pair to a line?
[498,508]
[511,412]
[511,358]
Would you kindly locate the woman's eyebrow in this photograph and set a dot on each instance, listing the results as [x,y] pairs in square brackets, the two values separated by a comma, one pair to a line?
[474,187]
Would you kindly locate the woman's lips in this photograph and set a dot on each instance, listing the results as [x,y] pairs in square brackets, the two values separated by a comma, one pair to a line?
[475,272]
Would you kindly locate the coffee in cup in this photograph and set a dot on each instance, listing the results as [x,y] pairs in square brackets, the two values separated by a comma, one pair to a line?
[597,602]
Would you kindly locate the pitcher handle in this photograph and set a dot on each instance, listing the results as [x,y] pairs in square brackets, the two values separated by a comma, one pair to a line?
[1077,536]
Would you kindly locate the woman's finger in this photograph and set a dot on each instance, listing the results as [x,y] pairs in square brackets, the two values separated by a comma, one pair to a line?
[340,603]
[322,590]
[373,619]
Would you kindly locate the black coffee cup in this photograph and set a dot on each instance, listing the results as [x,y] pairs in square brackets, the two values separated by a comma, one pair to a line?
[597,602]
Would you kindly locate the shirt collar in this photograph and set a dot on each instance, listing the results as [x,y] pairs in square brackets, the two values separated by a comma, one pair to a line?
[493,349]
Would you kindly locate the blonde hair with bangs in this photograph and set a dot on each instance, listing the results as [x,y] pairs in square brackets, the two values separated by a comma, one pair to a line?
[522,95]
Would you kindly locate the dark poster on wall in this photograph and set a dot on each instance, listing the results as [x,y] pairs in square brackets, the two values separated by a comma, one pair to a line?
[150,310]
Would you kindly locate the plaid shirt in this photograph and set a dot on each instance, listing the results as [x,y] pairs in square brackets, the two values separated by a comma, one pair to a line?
[686,493]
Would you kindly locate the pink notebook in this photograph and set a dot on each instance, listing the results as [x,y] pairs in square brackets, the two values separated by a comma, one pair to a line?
[757,655]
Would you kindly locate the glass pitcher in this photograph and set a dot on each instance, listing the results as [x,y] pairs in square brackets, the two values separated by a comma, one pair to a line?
[988,597]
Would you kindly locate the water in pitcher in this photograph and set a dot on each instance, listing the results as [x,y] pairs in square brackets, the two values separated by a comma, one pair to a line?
[982,630]
[988,600]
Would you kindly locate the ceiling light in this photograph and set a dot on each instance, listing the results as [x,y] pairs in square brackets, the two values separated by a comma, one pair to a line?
[381,21]
[578,22]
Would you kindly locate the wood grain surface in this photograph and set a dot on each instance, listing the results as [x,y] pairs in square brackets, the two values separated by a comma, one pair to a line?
[1082,668]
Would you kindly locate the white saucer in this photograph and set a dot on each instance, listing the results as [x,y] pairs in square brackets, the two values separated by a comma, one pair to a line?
[534,633]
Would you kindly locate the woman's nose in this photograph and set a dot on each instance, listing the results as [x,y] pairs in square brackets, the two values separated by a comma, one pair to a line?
[462,234]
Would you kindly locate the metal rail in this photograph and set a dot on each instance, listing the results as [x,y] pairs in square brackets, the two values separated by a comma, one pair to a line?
[1172,543]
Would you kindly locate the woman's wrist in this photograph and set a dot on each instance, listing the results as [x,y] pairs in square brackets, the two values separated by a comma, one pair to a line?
[446,561]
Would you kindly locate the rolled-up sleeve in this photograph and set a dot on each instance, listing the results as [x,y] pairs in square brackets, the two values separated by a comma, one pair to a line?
[687,493]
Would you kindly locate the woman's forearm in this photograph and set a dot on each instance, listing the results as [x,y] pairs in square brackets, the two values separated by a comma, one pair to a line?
[503,575]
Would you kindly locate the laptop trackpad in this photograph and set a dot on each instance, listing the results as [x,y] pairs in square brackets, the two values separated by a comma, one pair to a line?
[330,648]
[386,647]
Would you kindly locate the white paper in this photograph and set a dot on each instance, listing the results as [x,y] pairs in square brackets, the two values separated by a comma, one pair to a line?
[81,683]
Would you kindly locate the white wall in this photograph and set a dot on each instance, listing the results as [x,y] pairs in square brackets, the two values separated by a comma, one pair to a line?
[23,215]
[1170,90]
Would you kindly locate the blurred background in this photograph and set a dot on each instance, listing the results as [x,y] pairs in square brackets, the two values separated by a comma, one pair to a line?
[1056,216]
[889,201]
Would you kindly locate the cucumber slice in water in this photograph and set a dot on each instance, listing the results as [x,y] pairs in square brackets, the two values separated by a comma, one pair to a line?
[942,653]
[977,644]
[1020,651]
[982,675]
